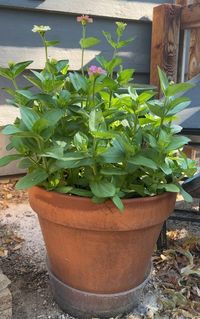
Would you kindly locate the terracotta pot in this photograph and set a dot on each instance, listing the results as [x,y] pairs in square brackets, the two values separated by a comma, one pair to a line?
[94,250]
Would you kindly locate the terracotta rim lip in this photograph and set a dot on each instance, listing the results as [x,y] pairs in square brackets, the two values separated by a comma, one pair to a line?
[125,201]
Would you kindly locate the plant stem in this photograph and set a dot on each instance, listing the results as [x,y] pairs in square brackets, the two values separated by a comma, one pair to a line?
[15,84]
[110,98]
[111,74]
[46,54]
[45,47]
[83,50]
[32,160]
[93,90]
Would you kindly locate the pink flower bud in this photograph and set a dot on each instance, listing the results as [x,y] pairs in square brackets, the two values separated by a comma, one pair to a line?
[95,70]
[84,19]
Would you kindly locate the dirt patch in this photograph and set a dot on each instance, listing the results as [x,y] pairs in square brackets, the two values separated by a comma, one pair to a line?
[9,195]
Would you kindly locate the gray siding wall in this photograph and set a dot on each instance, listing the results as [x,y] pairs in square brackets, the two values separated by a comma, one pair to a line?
[18,43]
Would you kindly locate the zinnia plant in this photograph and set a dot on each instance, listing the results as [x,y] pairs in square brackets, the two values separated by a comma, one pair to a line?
[77,134]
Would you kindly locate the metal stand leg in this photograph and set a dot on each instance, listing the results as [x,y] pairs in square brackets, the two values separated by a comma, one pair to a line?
[162,240]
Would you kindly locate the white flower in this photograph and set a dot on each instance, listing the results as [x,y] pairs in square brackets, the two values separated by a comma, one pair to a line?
[41,28]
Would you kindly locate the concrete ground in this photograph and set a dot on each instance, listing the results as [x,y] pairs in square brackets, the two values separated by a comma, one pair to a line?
[22,260]
[25,266]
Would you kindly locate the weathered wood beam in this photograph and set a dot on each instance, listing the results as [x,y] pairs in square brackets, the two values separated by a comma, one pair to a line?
[110,9]
[190,16]
[182,49]
[194,51]
[165,42]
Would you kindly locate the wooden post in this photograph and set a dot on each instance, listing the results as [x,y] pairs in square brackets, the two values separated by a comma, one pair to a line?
[194,52]
[194,48]
[182,72]
[165,42]
[190,16]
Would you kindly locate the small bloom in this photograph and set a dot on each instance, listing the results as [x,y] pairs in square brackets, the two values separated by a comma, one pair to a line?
[41,28]
[84,19]
[95,70]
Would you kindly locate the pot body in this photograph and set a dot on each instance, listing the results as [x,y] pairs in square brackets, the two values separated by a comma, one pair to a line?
[94,248]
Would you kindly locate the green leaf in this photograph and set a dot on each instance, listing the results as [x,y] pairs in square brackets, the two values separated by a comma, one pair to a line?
[102,189]
[98,200]
[143,161]
[121,26]
[113,171]
[96,121]
[117,201]
[145,96]
[109,39]
[34,81]
[9,147]
[64,98]
[178,88]
[178,105]
[125,76]
[63,189]
[102,61]
[40,125]
[89,42]
[156,108]
[71,156]
[169,187]
[75,163]
[51,43]
[10,91]
[109,83]
[10,129]
[8,159]
[111,65]
[79,82]
[164,82]
[123,43]
[29,117]
[38,75]
[135,188]
[81,192]
[176,143]
[25,163]
[187,197]
[62,66]
[103,135]
[54,152]
[20,67]
[81,141]
[27,94]
[166,169]
[112,155]
[53,116]
[36,177]
[6,73]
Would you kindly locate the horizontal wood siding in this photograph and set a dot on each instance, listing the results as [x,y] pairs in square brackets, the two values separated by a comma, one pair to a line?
[120,9]
[18,43]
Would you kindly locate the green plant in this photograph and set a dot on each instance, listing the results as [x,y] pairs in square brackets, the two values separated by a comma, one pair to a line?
[78,135]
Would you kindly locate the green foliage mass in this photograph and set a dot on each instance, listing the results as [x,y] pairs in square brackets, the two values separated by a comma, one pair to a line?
[77,134]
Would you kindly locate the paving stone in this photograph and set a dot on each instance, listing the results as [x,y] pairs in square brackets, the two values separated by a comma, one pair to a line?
[4,282]
[5,298]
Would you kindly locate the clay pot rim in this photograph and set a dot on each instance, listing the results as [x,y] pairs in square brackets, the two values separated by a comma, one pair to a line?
[89,199]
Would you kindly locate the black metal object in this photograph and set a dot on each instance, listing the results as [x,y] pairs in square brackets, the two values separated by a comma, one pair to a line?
[192,186]
[162,240]
[189,120]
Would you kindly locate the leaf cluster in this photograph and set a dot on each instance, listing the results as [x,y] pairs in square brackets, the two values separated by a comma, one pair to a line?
[77,134]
